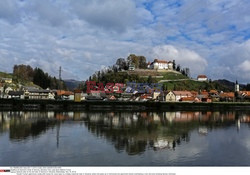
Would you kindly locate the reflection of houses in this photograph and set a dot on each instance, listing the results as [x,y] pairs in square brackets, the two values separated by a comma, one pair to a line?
[164,144]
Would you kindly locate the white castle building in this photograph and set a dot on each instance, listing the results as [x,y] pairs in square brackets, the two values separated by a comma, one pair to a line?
[160,64]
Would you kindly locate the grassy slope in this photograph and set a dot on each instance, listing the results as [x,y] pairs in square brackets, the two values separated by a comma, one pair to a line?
[176,81]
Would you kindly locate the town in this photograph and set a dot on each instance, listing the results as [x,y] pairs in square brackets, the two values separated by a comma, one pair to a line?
[129,91]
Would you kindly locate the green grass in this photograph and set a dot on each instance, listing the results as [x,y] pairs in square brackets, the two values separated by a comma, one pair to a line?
[5,75]
[194,85]
[172,76]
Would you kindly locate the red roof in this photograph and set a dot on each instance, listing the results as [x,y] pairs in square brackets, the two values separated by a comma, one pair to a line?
[201,76]
[245,93]
[188,99]
[187,93]
[227,95]
[62,92]
[160,61]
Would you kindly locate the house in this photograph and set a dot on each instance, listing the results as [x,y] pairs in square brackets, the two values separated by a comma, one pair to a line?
[204,96]
[182,94]
[214,95]
[7,90]
[190,99]
[161,65]
[245,95]
[16,94]
[202,78]
[227,96]
[170,97]
[65,95]
[7,80]
[77,95]
[155,95]
[145,97]
[41,94]
[131,67]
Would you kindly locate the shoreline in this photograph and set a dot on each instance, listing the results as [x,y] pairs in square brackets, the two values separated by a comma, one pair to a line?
[64,105]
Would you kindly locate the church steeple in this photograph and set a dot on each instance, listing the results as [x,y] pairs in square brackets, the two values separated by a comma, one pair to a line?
[237,86]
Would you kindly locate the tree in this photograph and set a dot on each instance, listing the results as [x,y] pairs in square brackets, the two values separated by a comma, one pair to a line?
[139,61]
[178,68]
[248,87]
[187,70]
[24,72]
[174,65]
[132,58]
[121,63]
[142,62]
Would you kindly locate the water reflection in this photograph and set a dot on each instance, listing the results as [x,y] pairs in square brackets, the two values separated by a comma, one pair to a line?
[132,132]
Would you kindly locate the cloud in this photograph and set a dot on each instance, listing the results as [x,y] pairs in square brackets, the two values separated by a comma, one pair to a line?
[232,62]
[83,36]
[47,11]
[182,56]
[114,15]
[9,11]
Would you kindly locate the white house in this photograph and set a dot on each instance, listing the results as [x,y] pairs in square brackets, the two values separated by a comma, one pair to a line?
[160,64]
[172,96]
[202,78]
[182,94]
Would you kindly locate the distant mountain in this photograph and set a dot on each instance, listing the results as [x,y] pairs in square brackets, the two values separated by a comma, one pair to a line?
[230,85]
[72,84]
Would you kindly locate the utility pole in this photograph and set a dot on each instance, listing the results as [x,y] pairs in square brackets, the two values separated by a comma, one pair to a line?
[60,73]
[59,83]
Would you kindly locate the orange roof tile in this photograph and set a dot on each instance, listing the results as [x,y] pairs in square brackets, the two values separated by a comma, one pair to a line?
[227,95]
[187,93]
[201,76]
[160,61]
[63,92]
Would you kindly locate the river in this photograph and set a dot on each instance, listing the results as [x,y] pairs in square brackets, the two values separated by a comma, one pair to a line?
[125,138]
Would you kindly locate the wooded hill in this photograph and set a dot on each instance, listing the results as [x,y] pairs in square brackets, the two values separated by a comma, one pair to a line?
[26,75]
[177,79]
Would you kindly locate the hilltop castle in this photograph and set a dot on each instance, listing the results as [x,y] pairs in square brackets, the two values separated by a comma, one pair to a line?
[160,64]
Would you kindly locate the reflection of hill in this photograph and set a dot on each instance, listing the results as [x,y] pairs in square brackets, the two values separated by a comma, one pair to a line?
[134,132]
[22,130]
[22,125]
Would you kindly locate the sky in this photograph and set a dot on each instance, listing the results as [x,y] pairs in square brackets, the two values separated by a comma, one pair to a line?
[210,37]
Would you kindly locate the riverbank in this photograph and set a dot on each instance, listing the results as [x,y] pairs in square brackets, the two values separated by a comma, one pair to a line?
[51,105]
